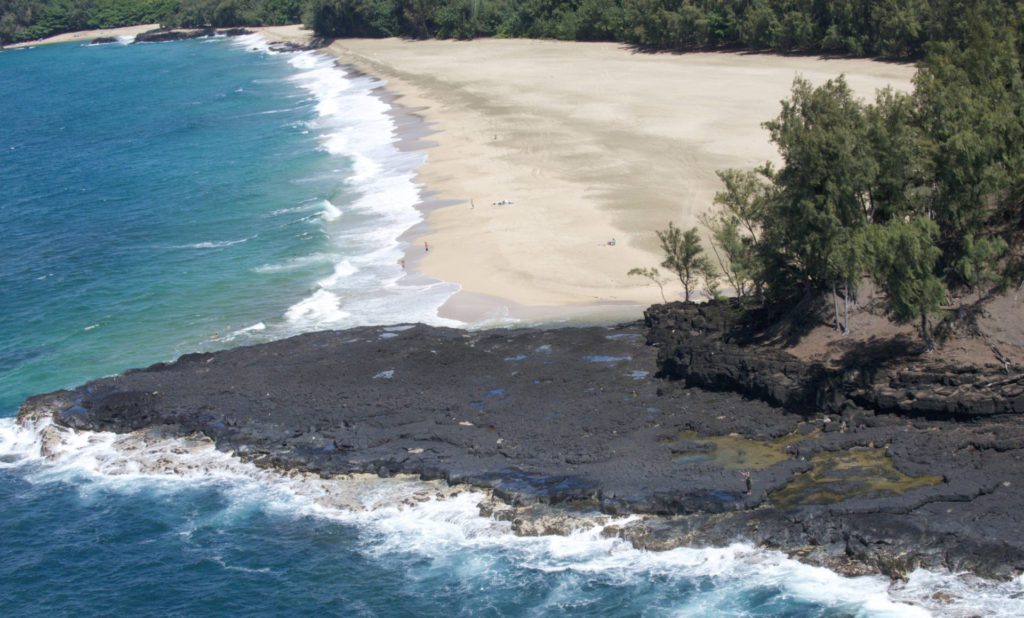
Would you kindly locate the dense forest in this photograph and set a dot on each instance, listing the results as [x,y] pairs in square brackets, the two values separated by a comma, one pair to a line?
[887,28]
[33,19]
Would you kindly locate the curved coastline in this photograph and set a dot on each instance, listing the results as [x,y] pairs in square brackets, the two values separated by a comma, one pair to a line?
[599,373]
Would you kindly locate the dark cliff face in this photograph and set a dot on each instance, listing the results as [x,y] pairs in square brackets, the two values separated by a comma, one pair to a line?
[575,419]
[704,346]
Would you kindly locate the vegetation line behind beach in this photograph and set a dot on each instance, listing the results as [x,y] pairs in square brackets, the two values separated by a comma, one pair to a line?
[895,29]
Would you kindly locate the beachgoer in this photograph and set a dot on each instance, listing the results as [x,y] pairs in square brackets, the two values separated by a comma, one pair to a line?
[402,263]
[426,247]
[746,477]
[611,243]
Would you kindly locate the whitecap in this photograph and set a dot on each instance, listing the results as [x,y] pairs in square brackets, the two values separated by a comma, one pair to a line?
[213,244]
[330,212]
[296,263]
[316,311]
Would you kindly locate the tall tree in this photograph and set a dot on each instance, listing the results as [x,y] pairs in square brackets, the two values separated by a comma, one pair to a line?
[683,255]
[822,192]
[970,98]
[904,260]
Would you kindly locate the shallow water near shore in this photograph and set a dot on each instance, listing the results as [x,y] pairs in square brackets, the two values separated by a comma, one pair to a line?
[163,199]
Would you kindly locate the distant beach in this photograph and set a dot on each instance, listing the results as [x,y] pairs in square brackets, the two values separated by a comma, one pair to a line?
[87,35]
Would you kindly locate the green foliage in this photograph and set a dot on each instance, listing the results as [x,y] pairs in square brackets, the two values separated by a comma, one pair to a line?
[889,28]
[822,193]
[735,227]
[970,97]
[904,259]
[711,278]
[924,191]
[684,256]
[32,19]
[978,261]
[654,275]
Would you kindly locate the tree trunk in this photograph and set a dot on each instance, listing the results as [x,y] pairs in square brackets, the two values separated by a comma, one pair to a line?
[846,307]
[835,306]
[925,332]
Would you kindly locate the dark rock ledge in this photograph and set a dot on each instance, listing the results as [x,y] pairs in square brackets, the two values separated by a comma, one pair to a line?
[162,35]
[572,423]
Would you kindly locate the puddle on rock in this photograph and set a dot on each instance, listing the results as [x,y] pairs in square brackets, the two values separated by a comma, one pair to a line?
[839,476]
[734,452]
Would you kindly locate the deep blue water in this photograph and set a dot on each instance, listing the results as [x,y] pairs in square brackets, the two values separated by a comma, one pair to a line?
[162,199]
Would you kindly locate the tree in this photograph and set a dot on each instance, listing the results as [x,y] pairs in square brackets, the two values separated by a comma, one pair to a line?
[654,275]
[979,264]
[712,289]
[969,95]
[735,227]
[683,255]
[821,197]
[904,259]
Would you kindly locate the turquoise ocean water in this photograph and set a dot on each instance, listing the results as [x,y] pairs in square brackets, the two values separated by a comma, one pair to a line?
[162,199]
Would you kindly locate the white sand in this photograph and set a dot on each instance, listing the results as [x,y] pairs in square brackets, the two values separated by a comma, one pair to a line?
[590,141]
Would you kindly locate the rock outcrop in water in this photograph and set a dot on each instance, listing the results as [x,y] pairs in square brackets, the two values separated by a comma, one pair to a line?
[570,424]
[161,35]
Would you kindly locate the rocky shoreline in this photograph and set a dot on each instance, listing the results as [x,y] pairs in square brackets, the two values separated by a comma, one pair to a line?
[567,425]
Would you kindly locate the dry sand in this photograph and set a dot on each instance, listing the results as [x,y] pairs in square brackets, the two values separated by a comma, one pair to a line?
[87,35]
[590,142]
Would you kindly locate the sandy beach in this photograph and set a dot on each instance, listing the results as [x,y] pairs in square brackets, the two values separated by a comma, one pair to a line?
[556,161]
[587,142]
[87,35]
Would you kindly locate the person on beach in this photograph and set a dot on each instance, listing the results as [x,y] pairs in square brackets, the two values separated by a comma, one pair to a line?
[426,247]
[402,263]
[750,484]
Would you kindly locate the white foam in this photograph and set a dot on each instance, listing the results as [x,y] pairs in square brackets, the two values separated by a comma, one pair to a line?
[296,263]
[252,42]
[366,286]
[319,310]
[330,212]
[402,516]
[213,244]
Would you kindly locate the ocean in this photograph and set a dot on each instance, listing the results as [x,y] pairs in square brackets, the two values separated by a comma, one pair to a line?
[168,198]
